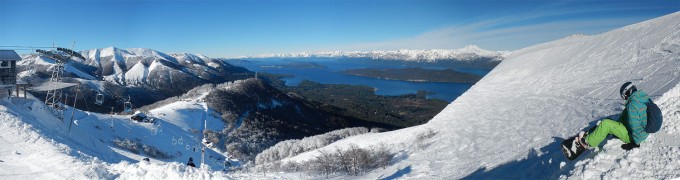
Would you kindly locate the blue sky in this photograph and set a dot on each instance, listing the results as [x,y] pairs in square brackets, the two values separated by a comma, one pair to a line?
[236,28]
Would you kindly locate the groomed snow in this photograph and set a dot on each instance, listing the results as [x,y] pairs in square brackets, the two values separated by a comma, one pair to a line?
[510,124]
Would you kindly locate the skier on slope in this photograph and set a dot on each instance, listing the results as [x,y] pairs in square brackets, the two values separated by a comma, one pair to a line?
[632,127]
[191,162]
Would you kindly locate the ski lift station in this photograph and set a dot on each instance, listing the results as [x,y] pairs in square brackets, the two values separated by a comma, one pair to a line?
[8,72]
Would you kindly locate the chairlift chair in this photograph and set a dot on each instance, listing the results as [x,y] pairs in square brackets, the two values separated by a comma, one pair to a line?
[160,127]
[127,107]
[99,100]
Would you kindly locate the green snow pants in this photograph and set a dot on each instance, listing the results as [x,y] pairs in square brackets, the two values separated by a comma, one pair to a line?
[607,127]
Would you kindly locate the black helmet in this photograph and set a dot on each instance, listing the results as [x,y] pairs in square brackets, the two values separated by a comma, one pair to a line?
[191,159]
[627,89]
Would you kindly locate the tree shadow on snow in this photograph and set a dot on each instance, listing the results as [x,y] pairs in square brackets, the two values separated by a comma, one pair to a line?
[399,173]
[535,166]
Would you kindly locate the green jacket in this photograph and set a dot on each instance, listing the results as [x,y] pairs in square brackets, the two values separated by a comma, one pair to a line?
[634,116]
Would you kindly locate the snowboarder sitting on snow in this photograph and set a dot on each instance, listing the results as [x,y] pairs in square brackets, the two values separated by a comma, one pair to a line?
[191,162]
[632,127]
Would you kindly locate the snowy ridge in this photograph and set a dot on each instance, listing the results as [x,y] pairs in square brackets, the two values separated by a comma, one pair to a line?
[137,74]
[467,53]
[142,67]
[516,116]
[121,55]
[191,58]
[130,66]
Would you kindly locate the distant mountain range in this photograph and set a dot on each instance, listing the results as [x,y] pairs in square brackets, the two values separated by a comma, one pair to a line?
[141,66]
[470,52]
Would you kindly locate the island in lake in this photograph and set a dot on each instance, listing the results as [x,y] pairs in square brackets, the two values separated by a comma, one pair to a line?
[416,74]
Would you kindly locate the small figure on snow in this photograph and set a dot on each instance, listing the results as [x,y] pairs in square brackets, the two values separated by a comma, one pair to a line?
[191,162]
[639,118]
[146,159]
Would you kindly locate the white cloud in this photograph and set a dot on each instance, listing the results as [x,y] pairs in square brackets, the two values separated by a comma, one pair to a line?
[506,33]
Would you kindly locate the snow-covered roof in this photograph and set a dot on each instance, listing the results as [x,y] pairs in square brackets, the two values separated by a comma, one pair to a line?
[9,55]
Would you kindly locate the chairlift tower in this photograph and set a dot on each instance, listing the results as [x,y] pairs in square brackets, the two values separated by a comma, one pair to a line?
[55,93]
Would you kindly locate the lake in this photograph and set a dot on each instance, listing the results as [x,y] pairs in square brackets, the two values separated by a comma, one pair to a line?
[333,75]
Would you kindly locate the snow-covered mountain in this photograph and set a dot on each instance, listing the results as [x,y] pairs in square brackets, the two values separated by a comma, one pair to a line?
[470,52]
[509,125]
[141,66]
[145,75]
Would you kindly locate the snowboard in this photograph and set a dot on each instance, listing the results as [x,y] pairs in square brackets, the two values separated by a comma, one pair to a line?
[572,149]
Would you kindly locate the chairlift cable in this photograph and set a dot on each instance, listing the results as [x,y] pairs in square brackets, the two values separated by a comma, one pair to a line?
[29,46]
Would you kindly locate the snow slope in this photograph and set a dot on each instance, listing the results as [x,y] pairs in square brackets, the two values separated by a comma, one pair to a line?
[25,153]
[34,144]
[510,124]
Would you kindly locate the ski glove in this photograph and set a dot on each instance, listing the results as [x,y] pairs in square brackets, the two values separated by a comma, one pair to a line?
[629,146]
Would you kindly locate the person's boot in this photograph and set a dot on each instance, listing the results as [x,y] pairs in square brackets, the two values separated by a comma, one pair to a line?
[581,143]
[575,146]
